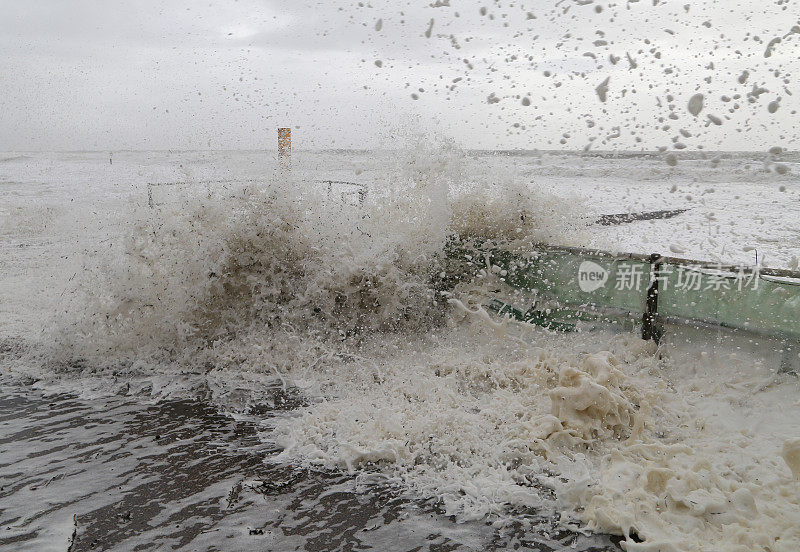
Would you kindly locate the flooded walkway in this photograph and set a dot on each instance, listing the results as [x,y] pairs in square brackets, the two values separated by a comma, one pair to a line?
[119,473]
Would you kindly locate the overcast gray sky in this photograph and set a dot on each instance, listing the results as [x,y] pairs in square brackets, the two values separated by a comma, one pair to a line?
[105,75]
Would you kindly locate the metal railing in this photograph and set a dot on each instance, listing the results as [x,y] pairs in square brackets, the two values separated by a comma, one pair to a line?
[359,191]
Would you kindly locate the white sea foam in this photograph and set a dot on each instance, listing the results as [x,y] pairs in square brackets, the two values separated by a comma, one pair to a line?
[595,428]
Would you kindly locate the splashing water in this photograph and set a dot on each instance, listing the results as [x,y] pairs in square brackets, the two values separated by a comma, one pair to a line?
[409,379]
[257,261]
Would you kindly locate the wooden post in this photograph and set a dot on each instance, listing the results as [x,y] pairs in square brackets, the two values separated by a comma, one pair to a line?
[285,148]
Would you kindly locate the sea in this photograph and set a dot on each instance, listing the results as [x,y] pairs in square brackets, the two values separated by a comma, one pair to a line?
[223,350]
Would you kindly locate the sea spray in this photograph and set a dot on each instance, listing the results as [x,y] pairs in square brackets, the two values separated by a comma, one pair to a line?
[355,308]
[278,260]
